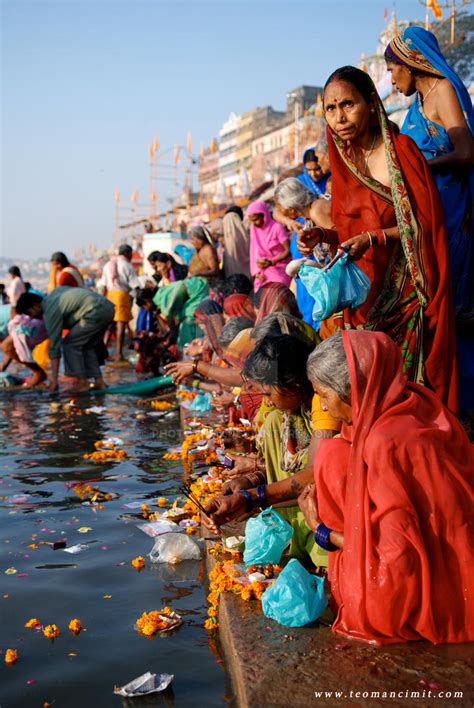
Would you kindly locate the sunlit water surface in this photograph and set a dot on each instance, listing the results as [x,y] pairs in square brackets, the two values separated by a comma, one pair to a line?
[41,453]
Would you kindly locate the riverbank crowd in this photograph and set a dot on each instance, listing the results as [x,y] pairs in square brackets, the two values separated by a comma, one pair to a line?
[357,407]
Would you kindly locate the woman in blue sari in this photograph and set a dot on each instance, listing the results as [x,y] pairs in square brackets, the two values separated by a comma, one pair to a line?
[441,122]
[315,181]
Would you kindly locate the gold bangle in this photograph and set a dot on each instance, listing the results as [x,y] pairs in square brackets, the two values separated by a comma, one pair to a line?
[384,237]
[371,242]
[195,366]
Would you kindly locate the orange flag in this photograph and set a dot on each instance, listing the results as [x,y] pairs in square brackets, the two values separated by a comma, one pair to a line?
[156,144]
[189,144]
[436,9]
[117,196]
[176,154]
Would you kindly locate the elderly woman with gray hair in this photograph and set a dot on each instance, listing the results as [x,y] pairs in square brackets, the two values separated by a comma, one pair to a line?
[205,262]
[392,498]
[293,200]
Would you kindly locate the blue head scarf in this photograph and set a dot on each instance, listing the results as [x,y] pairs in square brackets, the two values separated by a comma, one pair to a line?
[418,49]
[316,188]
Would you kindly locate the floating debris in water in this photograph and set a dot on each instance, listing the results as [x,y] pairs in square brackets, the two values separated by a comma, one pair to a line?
[144,684]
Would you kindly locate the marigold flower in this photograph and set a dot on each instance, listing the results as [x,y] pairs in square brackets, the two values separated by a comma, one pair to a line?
[32,623]
[51,631]
[211,623]
[138,562]
[75,626]
[11,656]
[162,501]
[246,592]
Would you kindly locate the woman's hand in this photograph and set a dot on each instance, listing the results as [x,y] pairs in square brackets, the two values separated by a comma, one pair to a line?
[308,239]
[222,509]
[307,504]
[222,399]
[295,226]
[358,246]
[263,263]
[179,370]
[233,486]
[243,464]
[194,348]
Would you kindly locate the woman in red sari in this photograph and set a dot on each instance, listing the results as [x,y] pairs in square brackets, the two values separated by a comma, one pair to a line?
[386,208]
[392,498]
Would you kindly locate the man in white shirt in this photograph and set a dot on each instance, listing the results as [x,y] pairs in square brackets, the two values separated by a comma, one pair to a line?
[119,280]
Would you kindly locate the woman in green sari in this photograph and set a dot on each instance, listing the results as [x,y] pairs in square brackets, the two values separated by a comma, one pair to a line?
[177,303]
[276,369]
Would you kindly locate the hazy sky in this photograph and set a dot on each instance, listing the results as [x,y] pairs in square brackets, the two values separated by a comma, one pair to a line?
[87,83]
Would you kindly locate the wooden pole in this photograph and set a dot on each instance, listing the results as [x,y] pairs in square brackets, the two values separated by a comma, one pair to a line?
[453,16]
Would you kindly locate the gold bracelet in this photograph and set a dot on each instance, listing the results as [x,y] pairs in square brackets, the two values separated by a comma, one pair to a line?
[195,366]
[371,242]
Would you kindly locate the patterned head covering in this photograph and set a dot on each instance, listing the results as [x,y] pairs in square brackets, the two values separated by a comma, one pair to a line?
[402,49]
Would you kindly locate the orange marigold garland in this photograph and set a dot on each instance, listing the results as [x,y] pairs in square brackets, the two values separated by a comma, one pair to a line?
[157,621]
[224,579]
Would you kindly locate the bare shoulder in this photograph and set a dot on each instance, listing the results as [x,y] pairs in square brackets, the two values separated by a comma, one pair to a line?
[448,108]
[321,213]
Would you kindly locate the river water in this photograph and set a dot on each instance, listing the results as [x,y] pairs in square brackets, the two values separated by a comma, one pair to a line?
[41,453]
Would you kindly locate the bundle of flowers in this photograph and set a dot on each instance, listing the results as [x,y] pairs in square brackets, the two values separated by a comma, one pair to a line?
[158,621]
[222,580]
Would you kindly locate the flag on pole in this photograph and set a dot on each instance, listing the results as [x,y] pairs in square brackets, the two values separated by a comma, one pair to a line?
[201,152]
[436,9]
[156,144]
[213,146]
[150,151]
[189,144]
[153,197]
[134,197]
[176,154]
[385,14]
[117,196]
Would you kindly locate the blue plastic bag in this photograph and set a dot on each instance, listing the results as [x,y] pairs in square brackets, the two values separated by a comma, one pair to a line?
[201,403]
[296,597]
[341,284]
[266,537]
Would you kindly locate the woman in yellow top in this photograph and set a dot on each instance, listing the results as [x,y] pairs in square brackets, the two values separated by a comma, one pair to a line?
[287,442]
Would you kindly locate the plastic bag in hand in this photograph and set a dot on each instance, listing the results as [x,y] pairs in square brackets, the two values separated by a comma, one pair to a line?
[174,548]
[296,597]
[341,284]
[266,537]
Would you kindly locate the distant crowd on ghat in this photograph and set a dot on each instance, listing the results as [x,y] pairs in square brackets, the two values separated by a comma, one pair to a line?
[360,419]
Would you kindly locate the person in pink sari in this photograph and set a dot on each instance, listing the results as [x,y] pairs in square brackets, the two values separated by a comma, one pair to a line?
[269,247]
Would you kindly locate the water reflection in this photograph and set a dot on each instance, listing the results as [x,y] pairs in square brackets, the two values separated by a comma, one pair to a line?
[41,459]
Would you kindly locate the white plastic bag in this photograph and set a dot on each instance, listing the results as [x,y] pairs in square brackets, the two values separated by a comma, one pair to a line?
[174,548]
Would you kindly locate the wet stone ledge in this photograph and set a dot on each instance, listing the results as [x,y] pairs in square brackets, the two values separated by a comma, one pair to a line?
[270,665]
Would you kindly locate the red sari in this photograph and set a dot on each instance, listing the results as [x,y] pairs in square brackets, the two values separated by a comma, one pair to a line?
[401,493]
[410,297]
